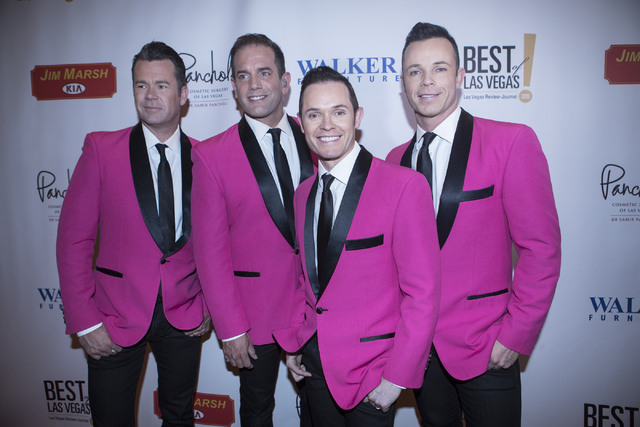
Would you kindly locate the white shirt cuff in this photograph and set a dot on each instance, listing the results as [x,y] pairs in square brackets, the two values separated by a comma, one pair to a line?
[91,329]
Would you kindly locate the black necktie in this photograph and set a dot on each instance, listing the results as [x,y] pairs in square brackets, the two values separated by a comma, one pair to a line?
[325,220]
[166,209]
[284,175]
[424,160]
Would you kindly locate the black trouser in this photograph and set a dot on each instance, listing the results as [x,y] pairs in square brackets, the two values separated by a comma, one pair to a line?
[492,399]
[324,410]
[113,380]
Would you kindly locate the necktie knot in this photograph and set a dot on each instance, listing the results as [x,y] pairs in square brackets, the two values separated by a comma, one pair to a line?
[327,180]
[161,147]
[275,135]
[424,164]
[428,138]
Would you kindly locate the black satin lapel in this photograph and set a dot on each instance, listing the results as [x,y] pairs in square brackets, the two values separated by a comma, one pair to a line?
[343,221]
[306,161]
[406,157]
[187,178]
[310,241]
[454,180]
[143,183]
[267,185]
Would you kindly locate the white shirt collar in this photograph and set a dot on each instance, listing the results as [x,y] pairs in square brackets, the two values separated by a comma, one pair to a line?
[173,142]
[260,129]
[342,171]
[445,130]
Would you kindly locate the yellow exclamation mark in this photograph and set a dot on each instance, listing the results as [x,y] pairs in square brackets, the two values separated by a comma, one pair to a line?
[529,48]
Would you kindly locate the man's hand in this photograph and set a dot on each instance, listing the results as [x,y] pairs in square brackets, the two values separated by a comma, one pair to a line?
[239,352]
[204,327]
[502,357]
[98,344]
[294,363]
[383,396]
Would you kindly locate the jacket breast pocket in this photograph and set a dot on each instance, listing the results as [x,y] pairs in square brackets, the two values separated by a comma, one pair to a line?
[108,272]
[482,193]
[369,242]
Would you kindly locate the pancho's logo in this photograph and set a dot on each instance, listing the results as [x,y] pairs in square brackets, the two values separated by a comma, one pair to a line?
[73,81]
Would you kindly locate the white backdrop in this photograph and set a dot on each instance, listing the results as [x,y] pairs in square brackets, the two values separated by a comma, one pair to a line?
[584,369]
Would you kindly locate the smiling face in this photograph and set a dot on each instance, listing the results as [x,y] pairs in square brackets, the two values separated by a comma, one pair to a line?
[430,80]
[257,86]
[329,122]
[157,96]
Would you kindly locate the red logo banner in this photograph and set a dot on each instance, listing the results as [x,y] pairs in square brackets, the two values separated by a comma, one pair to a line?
[622,64]
[73,81]
[209,409]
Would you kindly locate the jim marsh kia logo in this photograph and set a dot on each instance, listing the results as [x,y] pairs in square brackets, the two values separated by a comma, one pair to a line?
[73,81]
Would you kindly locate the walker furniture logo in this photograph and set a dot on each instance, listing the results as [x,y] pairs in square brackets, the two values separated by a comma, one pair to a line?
[73,81]
[499,72]
[622,64]
[609,416]
[67,400]
[51,298]
[360,69]
[208,409]
[614,309]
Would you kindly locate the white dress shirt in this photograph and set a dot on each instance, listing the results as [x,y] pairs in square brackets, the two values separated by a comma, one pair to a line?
[341,172]
[439,151]
[288,143]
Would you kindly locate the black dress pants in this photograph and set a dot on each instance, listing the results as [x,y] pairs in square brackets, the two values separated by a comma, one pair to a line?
[113,380]
[324,410]
[492,399]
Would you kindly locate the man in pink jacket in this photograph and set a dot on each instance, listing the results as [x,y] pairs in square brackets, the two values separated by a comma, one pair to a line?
[491,191]
[244,242]
[366,309]
[131,192]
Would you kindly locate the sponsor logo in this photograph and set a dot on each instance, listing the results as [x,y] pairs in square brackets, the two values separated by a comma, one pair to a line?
[73,81]
[623,195]
[358,69]
[609,416]
[208,87]
[51,298]
[622,64]
[208,409]
[67,400]
[51,193]
[613,309]
[499,72]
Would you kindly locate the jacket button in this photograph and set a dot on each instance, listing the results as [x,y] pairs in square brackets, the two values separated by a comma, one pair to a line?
[297,251]
[319,310]
[162,261]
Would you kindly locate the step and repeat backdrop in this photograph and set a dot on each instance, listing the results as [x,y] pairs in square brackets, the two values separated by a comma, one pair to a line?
[570,70]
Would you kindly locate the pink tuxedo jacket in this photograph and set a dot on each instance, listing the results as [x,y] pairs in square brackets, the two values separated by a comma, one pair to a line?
[497,192]
[111,200]
[245,248]
[375,306]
